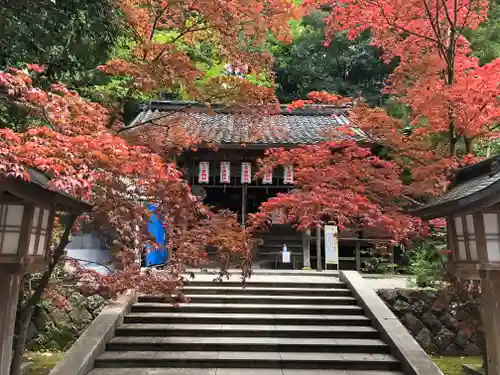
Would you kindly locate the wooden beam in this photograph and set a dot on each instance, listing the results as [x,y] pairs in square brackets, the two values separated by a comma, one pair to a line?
[249,186]
[244,205]
[319,265]
[358,256]
[306,249]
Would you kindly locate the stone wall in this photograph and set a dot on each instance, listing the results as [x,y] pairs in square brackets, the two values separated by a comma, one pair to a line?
[53,328]
[439,330]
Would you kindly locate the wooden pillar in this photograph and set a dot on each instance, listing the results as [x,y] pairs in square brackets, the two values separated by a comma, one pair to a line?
[358,256]
[9,295]
[490,306]
[306,248]
[244,205]
[319,258]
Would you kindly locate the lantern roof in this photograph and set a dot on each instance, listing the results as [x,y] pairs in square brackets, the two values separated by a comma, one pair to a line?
[473,188]
[37,190]
[232,125]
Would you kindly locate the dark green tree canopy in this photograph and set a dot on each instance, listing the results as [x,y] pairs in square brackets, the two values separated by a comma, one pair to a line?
[70,37]
[349,68]
[486,39]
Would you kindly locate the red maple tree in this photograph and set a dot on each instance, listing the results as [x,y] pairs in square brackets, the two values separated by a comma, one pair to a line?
[452,102]
[339,182]
[448,94]
[171,42]
[87,151]
[68,139]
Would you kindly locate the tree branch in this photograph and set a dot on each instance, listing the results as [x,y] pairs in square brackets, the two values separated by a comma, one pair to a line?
[91,262]
[401,28]
[56,257]
[437,31]
[171,113]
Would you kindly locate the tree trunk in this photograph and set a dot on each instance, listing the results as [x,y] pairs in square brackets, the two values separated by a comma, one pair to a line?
[481,341]
[20,341]
[26,312]
[468,145]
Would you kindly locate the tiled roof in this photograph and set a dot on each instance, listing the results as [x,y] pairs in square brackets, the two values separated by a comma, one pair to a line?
[59,197]
[38,178]
[468,188]
[306,126]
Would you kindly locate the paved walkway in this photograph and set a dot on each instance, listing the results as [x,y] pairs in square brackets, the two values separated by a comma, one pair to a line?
[232,371]
[283,276]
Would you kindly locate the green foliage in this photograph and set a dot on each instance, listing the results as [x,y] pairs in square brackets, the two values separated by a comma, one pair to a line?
[112,90]
[486,39]
[426,264]
[378,264]
[348,68]
[70,37]
[397,109]
[106,89]
[487,147]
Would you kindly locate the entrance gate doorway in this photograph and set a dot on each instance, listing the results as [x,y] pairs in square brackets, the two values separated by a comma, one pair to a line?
[242,199]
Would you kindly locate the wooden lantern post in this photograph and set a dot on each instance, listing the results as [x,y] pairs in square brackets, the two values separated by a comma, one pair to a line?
[472,211]
[26,221]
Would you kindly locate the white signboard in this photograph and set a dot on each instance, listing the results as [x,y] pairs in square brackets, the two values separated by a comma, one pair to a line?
[267,178]
[225,172]
[246,173]
[331,245]
[288,174]
[203,175]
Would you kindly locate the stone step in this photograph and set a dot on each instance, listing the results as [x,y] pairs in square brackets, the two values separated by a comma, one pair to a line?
[288,282]
[261,360]
[247,344]
[252,290]
[313,275]
[247,318]
[242,330]
[261,299]
[247,308]
[232,371]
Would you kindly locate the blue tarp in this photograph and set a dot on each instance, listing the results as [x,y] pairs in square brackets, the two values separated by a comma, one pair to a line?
[156,256]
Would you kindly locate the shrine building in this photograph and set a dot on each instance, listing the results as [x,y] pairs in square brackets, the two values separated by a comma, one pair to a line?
[224,176]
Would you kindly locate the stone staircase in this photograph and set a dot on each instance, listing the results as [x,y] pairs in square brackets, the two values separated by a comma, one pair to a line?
[268,328]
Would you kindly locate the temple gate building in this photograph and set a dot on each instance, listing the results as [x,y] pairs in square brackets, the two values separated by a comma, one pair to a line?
[224,176]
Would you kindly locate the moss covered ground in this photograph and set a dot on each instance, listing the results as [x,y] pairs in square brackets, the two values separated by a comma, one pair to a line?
[41,362]
[453,365]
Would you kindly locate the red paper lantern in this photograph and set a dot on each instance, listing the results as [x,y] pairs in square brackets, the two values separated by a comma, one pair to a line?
[267,178]
[246,173]
[225,172]
[288,175]
[204,173]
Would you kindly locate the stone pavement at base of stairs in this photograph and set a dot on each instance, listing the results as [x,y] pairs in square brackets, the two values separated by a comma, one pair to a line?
[233,371]
[309,276]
